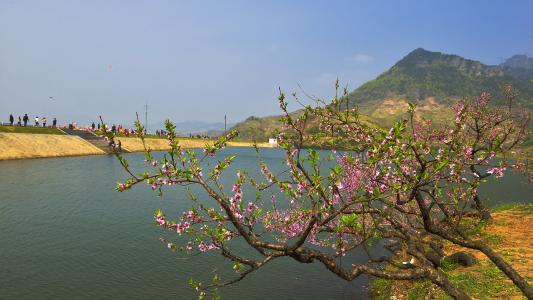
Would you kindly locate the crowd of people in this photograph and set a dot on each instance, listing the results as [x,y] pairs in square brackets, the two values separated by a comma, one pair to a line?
[116,129]
[199,136]
[25,121]
[163,133]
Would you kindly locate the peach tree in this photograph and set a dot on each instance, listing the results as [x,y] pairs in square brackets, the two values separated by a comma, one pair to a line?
[415,184]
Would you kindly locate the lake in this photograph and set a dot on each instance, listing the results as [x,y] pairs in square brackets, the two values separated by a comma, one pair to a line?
[65,233]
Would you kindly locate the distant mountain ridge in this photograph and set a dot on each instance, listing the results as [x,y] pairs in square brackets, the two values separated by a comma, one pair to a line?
[520,66]
[433,80]
[519,61]
[422,74]
[195,127]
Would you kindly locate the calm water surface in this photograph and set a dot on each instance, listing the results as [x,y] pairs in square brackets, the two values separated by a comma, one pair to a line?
[66,234]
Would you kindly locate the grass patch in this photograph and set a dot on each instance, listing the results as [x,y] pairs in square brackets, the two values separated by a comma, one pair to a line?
[491,238]
[472,227]
[447,265]
[475,228]
[30,129]
[420,290]
[381,288]
[481,282]
[506,206]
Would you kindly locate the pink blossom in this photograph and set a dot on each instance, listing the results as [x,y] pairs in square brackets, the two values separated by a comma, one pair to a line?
[160,220]
[202,247]
[251,207]
[498,172]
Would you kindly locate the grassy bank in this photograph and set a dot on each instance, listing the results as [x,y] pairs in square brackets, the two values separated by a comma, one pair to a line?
[29,145]
[30,129]
[511,235]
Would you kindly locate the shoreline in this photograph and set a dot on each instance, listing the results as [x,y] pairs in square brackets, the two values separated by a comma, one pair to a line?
[19,146]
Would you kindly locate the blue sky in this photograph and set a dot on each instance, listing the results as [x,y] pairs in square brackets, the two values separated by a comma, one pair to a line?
[199,60]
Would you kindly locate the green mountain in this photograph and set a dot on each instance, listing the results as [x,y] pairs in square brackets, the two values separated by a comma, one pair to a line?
[433,80]
[258,129]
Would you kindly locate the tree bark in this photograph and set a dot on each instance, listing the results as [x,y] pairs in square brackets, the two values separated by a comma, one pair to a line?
[483,211]
[518,280]
[441,280]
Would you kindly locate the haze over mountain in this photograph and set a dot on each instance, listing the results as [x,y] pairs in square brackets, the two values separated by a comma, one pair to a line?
[520,66]
[433,80]
[194,127]
[519,61]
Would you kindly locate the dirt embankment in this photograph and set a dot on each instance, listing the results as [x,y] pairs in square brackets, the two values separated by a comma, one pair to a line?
[250,144]
[136,145]
[27,145]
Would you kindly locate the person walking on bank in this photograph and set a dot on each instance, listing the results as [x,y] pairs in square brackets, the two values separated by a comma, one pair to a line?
[114,129]
[36,121]
[26,119]
[54,123]
[19,122]
[92,126]
[11,119]
[44,121]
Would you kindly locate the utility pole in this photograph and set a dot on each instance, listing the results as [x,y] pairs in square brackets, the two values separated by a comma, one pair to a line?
[225,129]
[145,118]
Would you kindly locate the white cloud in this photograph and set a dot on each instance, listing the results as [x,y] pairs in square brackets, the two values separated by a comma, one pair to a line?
[362,58]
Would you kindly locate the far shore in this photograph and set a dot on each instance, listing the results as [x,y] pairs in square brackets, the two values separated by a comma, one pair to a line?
[159,144]
[15,146]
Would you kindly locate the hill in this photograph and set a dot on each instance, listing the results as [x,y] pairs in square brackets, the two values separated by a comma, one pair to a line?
[433,80]
[260,129]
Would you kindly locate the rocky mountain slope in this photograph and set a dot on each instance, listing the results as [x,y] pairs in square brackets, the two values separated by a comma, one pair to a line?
[433,80]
